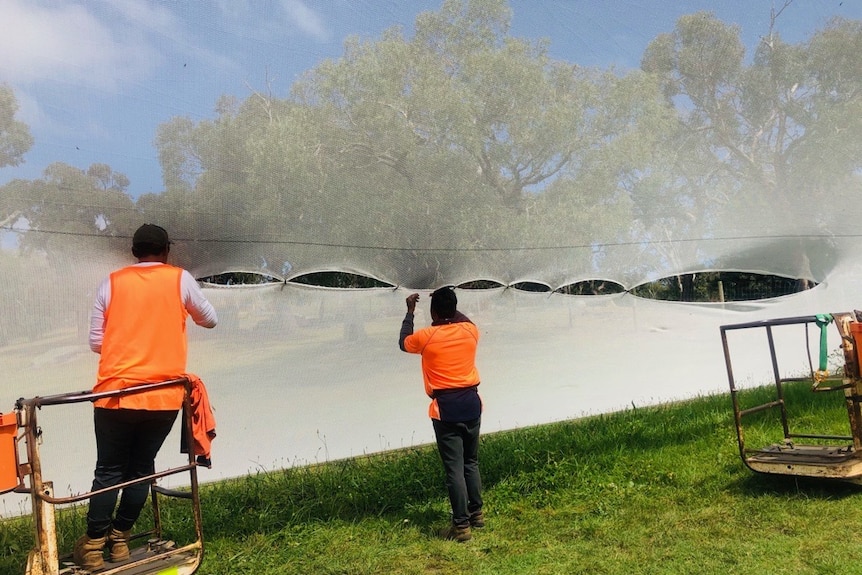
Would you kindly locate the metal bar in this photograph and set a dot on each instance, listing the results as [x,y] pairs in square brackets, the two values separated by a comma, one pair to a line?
[798,379]
[171,492]
[772,322]
[88,494]
[193,474]
[43,512]
[737,416]
[763,407]
[82,396]
[808,352]
[777,375]
[811,436]
[833,388]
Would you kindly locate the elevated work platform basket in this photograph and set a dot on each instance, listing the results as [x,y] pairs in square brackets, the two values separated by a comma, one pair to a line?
[826,456]
[152,553]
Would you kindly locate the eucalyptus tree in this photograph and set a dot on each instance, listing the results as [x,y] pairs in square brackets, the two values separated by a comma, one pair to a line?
[73,203]
[216,172]
[420,148]
[15,141]
[15,137]
[781,132]
[462,128]
[69,216]
[786,123]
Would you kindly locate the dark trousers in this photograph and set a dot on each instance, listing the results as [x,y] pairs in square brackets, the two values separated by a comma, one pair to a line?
[127,441]
[458,444]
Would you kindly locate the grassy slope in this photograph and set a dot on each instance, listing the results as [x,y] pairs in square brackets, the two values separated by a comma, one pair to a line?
[651,490]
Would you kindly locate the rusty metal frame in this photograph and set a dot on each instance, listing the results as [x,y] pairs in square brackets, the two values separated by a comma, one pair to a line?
[44,559]
[840,461]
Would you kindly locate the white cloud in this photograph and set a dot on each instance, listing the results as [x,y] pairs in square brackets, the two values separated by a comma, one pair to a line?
[169,31]
[272,22]
[146,15]
[306,19]
[68,42]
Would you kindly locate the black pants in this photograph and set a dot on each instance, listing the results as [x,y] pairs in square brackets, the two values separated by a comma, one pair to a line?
[127,441]
[458,444]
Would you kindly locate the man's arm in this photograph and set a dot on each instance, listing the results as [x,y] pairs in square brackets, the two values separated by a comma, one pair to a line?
[407,323]
[194,300]
[97,316]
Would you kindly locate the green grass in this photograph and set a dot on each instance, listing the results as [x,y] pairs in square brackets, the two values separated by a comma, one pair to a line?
[656,490]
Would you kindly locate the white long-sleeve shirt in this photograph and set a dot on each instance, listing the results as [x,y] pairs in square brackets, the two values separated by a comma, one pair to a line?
[200,309]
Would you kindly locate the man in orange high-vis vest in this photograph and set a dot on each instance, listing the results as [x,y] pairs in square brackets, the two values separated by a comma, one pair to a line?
[448,349]
[138,326]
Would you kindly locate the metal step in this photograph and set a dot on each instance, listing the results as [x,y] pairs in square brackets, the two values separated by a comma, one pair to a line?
[157,557]
[824,461]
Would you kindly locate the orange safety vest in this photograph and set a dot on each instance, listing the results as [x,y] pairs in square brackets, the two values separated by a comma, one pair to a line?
[203,421]
[145,338]
[448,358]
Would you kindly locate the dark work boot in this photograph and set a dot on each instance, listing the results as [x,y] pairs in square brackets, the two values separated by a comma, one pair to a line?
[88,552]
[118,544]
[477,519]
[458,533]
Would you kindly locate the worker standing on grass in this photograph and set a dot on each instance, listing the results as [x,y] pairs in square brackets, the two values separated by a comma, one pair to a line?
[138,326]
[448,349]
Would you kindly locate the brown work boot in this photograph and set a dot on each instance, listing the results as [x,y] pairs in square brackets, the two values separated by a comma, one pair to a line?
[459,533]
[477,520]
[118,544]
[88,552]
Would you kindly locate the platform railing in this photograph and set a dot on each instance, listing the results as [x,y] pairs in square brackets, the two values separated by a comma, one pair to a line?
[44,558]
[848,382]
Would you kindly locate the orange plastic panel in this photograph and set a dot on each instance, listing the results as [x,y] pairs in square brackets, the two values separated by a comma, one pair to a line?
[856,332]
[8,452]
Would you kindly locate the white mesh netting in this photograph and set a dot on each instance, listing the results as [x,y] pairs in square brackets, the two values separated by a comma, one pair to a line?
[455,148]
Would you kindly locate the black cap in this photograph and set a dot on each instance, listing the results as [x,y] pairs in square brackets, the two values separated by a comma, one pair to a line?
[151,235]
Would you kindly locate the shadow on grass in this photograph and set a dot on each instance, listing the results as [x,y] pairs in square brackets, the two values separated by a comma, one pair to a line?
[758,484]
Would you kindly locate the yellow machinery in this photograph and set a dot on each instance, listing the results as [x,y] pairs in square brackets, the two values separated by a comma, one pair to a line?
[151,553]
[836,457]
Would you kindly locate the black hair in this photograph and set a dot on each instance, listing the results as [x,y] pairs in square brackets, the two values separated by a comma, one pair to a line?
[444,302]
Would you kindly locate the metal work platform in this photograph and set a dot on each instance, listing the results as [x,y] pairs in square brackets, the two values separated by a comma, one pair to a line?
[151,552]
[157,557]
[836,457]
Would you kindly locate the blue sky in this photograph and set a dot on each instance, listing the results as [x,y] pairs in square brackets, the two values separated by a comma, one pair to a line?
[94,79]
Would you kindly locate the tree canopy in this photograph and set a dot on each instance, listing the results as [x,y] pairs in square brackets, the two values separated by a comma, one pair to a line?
[15,137]
[461,137]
